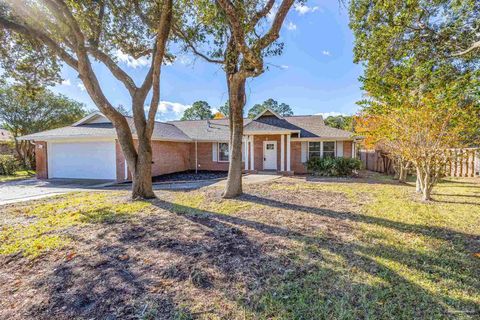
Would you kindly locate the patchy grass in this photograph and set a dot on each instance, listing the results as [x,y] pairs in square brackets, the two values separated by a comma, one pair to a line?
[196,202]
[23,174]
[42,225]
[289,249]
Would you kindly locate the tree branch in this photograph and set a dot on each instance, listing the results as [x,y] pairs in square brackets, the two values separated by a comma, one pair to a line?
[164,27]
[277,23]
[262,13]
[474,46]
[36,34]
[189,44]
[114,69]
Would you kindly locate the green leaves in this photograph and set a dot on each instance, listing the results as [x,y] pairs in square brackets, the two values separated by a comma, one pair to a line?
[200,110]
[282,109]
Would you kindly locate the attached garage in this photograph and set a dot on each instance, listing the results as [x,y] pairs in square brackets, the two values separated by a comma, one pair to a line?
[82,160]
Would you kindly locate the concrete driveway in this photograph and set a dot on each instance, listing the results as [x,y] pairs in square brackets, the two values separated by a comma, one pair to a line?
[30,189]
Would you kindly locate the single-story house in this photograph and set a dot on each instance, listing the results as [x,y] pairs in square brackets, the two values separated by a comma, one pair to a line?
[89,149]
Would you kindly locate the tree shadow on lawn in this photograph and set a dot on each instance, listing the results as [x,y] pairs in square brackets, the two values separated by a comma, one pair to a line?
[183,264]
[287,288]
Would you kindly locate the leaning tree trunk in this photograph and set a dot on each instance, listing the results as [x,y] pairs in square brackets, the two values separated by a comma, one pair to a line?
[236,88]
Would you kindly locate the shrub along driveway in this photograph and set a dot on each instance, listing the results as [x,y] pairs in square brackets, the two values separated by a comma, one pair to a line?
[287,249]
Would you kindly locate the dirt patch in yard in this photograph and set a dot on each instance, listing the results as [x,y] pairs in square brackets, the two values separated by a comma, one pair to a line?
[285,249]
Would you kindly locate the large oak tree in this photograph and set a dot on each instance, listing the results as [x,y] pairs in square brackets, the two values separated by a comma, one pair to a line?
[78,32]
[238,36]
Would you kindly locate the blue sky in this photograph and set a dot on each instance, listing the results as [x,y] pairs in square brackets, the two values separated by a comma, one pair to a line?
[315,74]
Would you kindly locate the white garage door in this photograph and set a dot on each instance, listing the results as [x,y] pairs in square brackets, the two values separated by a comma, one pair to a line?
[81,160]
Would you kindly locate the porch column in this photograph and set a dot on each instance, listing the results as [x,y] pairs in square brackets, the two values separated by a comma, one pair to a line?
[288,152]
[282,153]
[252,157]
[245,150]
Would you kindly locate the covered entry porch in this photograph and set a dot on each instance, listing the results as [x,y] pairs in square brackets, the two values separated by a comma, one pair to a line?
[269,152]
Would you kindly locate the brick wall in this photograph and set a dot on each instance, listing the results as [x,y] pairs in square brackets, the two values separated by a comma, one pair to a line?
[296,158]
[41,159]
[168,157]
[205,159]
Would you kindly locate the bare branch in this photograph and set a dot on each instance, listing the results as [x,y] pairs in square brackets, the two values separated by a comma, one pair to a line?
[262,13]
[277,23]
[179,32]
[474,46]
[114,69]
[164,27]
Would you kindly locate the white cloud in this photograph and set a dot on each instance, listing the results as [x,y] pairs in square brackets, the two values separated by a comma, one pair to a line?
[130,61]
[304,9]
[331,114]
[326,53]
[284,67]
[291,26]
[81,86]
[66,82]
[184,59]
[168,110]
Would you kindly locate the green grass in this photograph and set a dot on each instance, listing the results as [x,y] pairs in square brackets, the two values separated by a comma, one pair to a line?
[197,202]
[43,223]
[366,250]
[408,259]
[23,174]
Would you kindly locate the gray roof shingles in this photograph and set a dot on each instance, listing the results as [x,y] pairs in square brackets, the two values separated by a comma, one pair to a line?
[206,130]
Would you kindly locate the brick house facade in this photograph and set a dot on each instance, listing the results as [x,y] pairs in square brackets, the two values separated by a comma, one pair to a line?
[271,143]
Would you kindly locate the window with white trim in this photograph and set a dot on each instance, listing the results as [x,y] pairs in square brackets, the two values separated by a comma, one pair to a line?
[223,152]
[324,149]
[314,150]
[329,149]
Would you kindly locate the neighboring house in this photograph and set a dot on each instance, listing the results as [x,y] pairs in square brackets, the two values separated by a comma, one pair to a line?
[89,149]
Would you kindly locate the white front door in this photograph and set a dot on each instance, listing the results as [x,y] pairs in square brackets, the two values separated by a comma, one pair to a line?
[269,155]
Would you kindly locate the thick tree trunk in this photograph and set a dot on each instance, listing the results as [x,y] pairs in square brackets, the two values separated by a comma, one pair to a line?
[142,177]
[236,88]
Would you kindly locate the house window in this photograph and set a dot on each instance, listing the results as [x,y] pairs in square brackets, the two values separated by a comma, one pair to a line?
[314,150]
[329,149]
[324,149]
[223,152]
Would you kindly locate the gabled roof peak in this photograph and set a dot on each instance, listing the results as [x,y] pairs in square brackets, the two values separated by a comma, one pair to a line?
[268,112]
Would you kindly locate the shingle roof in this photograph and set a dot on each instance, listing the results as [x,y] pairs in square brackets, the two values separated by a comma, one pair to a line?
[270,123]
[161,131]
[205,130]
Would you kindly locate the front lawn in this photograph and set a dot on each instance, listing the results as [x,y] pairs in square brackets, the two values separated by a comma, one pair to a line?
[22,174]
[287,249]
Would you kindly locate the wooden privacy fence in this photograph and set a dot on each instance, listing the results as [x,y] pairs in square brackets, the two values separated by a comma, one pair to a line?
[462,162]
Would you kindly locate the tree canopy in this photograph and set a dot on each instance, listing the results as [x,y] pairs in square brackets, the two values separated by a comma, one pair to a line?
[421,77]
[340,122]
[200,110]
[23,114]
[282,109]
[46,33]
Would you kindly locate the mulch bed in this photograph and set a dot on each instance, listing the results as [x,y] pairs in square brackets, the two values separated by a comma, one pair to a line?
[190,176]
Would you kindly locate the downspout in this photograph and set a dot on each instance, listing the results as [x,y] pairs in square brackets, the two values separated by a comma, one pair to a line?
[196,158]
